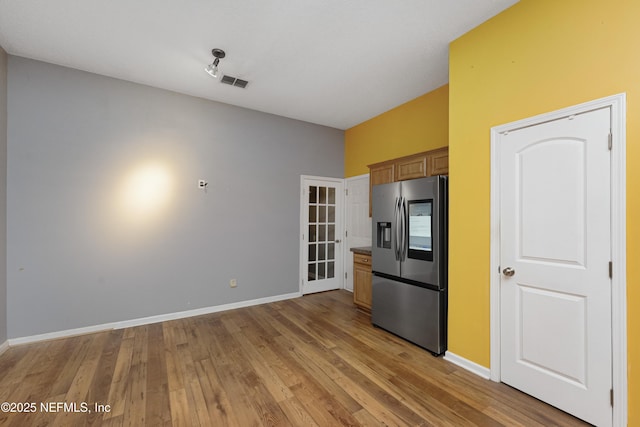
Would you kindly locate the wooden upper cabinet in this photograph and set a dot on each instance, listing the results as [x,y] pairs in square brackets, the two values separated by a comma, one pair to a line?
[382,174]
[428,163]
[438,162]
[411,167]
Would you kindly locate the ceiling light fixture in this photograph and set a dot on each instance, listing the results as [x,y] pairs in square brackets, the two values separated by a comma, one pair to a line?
[212,69]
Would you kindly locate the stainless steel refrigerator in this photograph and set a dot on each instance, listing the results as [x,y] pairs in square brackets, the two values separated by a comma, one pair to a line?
[409,260]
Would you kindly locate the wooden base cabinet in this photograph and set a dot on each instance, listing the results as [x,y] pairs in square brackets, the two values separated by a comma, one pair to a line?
[362,281]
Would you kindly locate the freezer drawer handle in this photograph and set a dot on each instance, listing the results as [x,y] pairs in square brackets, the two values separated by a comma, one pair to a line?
[508,272]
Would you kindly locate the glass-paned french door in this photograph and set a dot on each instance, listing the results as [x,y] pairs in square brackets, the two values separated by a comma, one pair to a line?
[321,230]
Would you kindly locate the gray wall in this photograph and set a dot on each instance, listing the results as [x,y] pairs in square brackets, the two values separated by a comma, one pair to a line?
[3,196]
[84,248]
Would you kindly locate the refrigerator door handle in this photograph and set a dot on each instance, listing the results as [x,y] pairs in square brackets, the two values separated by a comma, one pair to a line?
[403,228]
[396,224]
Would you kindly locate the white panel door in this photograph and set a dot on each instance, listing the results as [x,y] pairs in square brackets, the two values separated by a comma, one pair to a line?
[321,232]
[358,221]
[555,252]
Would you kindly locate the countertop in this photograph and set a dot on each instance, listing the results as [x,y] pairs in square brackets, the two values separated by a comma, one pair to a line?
[365,250]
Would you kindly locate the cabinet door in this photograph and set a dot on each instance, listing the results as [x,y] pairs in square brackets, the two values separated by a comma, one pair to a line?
[413,167]
[438,162]
[382,174]
[362,281]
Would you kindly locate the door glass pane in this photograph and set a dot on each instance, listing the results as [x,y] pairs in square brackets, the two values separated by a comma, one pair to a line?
[331,217]
[322,213]
[323,195]
[312,252]
[331,237]
[312,272]
[321,274]
[331,251]
[330,270]
[332,195]
[312,233]
[321,251]
[322,233]
[312,214]
[313,194]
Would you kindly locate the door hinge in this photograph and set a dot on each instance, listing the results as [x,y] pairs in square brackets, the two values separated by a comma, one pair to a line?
[346,191]
[346,233]
[610,270]
[345,275]
[611,396]
[610,140]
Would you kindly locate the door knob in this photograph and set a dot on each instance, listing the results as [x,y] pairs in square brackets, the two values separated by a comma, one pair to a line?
[508,272]
[338,241]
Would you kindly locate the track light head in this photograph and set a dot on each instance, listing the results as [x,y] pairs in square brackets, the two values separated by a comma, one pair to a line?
[212,69]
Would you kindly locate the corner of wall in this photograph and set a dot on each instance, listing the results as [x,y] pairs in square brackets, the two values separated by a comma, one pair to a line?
[3,197]
[418,125]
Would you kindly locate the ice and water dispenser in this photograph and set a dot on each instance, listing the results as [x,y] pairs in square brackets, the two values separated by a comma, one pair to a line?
[384,235]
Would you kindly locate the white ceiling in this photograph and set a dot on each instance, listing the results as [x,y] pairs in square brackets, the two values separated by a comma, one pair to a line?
[331,62]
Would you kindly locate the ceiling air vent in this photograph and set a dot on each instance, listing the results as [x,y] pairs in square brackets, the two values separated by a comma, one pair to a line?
[230,80]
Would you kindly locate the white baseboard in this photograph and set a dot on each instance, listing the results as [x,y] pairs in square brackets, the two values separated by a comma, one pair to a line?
[146,320]
[468,365]
[4,347]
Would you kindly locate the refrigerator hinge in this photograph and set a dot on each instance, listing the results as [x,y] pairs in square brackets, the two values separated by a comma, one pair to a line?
[610,140]
[611,396]
[610,270]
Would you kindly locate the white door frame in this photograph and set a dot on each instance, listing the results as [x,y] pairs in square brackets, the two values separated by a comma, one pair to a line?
[617,103]
[339,254]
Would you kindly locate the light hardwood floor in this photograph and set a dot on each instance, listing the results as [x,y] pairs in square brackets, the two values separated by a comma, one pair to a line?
[310,361]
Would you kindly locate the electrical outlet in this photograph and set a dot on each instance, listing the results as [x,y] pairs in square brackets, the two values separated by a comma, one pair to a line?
[233,283]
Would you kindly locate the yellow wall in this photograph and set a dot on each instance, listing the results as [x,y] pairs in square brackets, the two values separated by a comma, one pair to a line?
[536,57]
[418,125]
